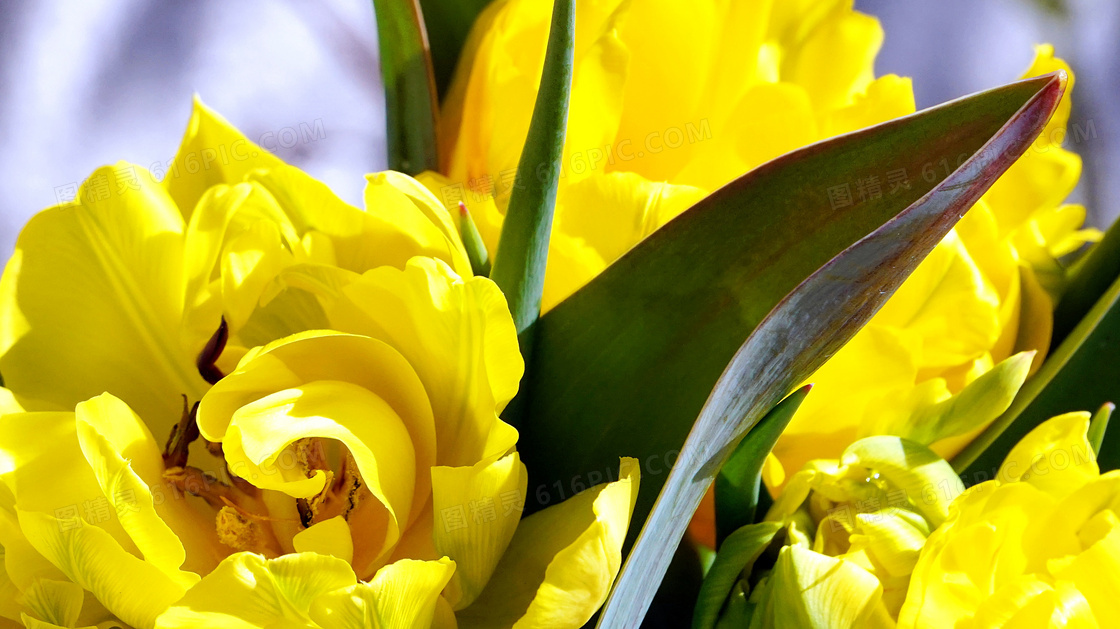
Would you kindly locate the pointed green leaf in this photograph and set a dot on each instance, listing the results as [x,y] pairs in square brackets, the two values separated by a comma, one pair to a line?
[625,363]
[1098,426]
[979,403]
[736,555]
[472,242]
[1082,374]
[740,479]
[522,251]
[410,91]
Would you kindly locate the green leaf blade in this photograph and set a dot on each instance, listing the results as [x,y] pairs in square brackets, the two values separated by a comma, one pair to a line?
[411,105]
[739,481]
[738,554]
[1098,426]
[625,363]
[1089,279]
[519,262]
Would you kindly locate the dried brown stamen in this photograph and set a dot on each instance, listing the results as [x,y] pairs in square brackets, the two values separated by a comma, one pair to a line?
[178,444]
[208,357]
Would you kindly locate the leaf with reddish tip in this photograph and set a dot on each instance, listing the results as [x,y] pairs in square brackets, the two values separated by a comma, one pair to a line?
[625,364]
[828,307]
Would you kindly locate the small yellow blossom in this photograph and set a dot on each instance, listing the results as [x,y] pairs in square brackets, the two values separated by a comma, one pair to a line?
[837,548]
[1038,546]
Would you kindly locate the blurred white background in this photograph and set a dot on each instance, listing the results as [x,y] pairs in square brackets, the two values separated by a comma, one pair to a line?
[92,82]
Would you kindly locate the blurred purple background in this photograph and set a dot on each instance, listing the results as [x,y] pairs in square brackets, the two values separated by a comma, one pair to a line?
[88,83]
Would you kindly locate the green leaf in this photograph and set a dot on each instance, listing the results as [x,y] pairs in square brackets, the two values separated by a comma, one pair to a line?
[740,479]
[1082,374]
[1098,426]
[979,403]
[410,92]
[519,262]
[736,555]
[472,242]
[625,364]
[449,23]
[1088,279]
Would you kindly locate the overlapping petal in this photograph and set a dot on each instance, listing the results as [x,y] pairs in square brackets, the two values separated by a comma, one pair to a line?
[1037,546]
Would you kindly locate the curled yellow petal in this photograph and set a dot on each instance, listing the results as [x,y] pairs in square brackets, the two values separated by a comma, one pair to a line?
[562,561]
[456,333]
[329,537]
[131,588]
[808,589]
[1056,456]
[476,510]
[212,152]
[402,595]
[247,591]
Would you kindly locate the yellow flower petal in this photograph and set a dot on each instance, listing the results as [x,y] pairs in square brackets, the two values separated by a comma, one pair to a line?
[402,595]
[966,319]
[832,79]
[55,602]
[887,97]
[562,561]
[248,265]
[638,207]
[808,589]
[457,334]
[212,152]
[571,264]
[892,538]
[354,416]
[22,564]
[246,591]
[911,467]
[374,372]
[974,407]
[127,494]
[1055,457]
[131,588]
[416,224]
[329,537]
[477,510]
[92,301]
[107,421]
[42,464]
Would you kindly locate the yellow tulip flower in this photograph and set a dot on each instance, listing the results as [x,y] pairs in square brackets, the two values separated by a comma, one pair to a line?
[348,467]
[121,289]
[837,548]
[671,100]
[1038,546]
